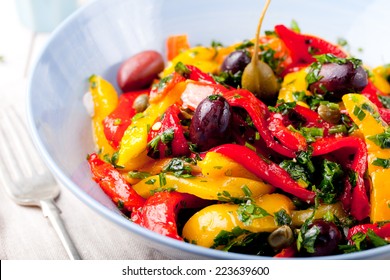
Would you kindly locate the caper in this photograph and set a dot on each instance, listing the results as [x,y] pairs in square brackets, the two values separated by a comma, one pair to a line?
[141,103]
[258,77]
[329,112]
[281,238]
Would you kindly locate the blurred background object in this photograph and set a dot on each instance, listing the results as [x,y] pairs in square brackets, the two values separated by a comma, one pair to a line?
[43,16]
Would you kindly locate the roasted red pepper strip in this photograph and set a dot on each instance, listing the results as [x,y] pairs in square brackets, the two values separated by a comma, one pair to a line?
[259,114]
[288,252]
[113,184]
[197,75]
[266,170]
[164,86]
[170,124]
[116,123]
[372,92]
[196,91]
[159,213]
[383,231]
[302,47]
[312,118]
[359,203]
[291,139]
[385,114]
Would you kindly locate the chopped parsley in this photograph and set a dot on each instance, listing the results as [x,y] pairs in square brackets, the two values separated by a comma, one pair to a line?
[385,100]
[245,44]
[182,69]
[297,172]
[282,107]
[359,113]
[230,238]
[225,196]
[178,167]
[382,139]
[282,218]
[138,174]
[247,212]
[165,138]
[294,26]
[113,159]
[385,163]
[329,187]
[150,182]
[363,241]
[314,73]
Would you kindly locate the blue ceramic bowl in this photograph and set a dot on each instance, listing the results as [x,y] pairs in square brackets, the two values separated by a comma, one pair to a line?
[97,38]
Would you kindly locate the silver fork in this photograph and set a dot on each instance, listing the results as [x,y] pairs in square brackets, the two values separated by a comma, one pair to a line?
[26,179]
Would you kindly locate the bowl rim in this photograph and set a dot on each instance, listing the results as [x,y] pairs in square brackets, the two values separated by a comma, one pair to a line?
[122,221]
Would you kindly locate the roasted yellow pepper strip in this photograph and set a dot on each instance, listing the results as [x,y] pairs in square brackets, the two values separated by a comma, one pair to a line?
[379,78]
[300,216]
[205,225]
[366,116]
[134,140]
[294,82]
[217,165]
[105,100]
[201,57]
[204,187]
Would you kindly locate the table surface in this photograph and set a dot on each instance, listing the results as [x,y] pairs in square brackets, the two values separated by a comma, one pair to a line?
[24,232]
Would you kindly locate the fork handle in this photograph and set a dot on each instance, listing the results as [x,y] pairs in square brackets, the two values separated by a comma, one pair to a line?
[51,211]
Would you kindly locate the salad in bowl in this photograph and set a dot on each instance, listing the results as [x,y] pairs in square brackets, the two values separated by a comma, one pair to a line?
[276,146]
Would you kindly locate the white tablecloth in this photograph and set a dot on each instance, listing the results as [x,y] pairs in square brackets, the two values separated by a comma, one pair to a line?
[24,232]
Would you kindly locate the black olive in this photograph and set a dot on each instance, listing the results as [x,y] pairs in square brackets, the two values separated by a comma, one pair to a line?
[339,79]
[211,123]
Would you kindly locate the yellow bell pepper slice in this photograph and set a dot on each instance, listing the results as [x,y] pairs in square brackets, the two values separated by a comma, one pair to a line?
[204,187]
[105,100]
[380,195]
[300,216]
[204,226]
[366,116]
[379,78]
[134,140]
[358,107]
[200,56]
[216,165]
[294,82]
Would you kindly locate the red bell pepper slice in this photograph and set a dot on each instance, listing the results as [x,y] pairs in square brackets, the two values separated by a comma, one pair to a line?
[385,114]
[259,114]
[303,47]
[266,170]
[175,44]
[160,211]
[169,127]
[291,139]
[288,252]
[198,75]
[162,87]
[359,203]
[383,231]
[116,123]
[196,91]
[372,92]
[113,184]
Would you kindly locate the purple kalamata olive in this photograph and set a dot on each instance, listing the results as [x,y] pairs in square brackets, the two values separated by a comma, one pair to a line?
[235,61]
[139,71]
[211,123]
[328,238]
[339,79]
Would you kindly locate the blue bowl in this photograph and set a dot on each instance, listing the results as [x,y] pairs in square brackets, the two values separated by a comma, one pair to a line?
[97,38]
